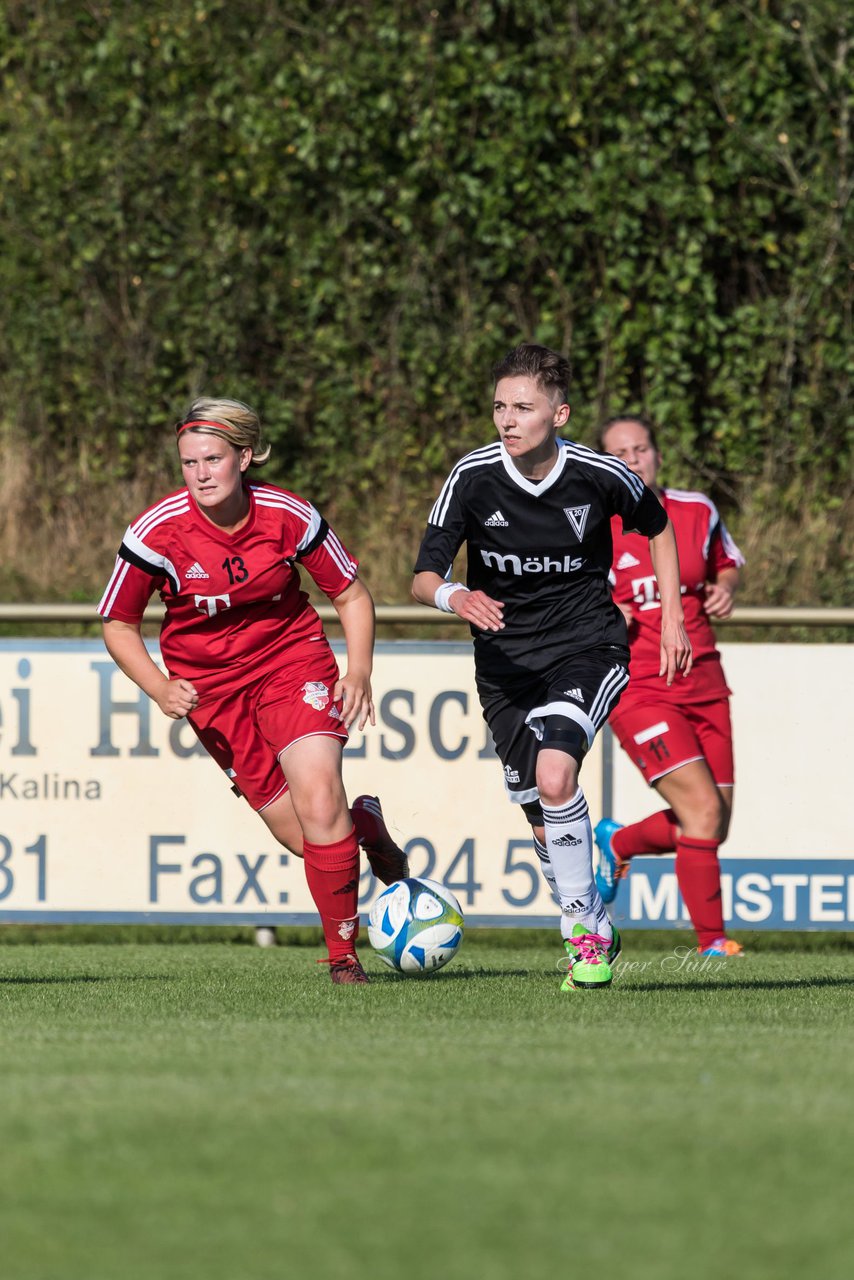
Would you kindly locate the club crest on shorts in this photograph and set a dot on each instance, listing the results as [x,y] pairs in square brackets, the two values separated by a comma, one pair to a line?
[316,694]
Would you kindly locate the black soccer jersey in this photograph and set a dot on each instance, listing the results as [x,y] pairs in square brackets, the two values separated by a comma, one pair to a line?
[543,548]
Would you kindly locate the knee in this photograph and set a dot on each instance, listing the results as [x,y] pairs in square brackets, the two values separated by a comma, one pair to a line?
[563,746]
[322,805]
[707,818]
[557,778]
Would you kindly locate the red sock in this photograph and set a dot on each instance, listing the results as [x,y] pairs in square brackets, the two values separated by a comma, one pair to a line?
[699,877]
[655,834]
[332,875]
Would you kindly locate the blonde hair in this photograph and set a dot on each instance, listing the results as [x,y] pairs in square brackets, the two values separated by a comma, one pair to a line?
[231,420]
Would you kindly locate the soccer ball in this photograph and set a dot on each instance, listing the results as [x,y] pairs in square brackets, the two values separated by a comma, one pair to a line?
[416,926]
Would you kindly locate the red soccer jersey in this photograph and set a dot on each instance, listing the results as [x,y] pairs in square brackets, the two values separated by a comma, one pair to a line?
[234,607]
[705,547]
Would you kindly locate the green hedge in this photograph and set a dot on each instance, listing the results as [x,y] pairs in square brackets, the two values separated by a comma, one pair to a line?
[345,212]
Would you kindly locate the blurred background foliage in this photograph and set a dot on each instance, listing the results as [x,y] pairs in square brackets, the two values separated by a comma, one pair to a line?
[345,212]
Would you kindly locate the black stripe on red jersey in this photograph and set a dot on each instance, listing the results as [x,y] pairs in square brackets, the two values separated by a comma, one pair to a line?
[315,542]
[153,571]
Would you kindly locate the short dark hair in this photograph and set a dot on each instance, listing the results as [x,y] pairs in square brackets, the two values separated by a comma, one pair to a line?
[551,371]
[626,417]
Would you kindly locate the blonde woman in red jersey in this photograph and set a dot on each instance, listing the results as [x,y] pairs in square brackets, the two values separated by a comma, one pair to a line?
[247,661]
[680,737]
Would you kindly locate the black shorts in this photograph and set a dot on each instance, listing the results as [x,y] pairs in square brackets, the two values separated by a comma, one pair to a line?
[585,688]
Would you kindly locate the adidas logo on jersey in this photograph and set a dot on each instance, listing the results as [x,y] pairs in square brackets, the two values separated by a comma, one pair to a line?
[566,842]
[196,571]
[496,521]
[574,693]
[627,561]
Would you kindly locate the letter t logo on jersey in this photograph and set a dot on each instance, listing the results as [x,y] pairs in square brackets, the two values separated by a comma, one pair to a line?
[212,605]
[577,517]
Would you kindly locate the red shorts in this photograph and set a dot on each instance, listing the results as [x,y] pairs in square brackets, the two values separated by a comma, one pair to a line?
[246,730]
[660,738]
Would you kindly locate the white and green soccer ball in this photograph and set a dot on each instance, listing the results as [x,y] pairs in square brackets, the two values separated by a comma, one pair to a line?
[416,926]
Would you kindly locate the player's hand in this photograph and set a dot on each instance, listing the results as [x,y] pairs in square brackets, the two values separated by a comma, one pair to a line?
[177,699]
[719,602]
[676,653]
[353,691]
[478,609]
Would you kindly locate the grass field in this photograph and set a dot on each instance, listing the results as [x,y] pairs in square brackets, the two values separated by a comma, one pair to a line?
[197,1112]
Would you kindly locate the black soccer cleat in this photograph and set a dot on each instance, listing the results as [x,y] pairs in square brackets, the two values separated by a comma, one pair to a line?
[388,863]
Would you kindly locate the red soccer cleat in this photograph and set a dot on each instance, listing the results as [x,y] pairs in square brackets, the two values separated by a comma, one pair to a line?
[388,863]
[347,971]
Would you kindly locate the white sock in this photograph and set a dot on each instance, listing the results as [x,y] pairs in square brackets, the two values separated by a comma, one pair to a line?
[546,868]
[569,842]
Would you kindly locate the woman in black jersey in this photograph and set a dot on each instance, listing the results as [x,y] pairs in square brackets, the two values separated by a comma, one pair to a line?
[550,649]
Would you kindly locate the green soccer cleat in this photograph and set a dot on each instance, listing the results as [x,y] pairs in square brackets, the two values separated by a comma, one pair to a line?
[590,959]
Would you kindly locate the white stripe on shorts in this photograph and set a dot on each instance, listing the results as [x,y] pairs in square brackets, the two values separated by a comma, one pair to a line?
[655,732]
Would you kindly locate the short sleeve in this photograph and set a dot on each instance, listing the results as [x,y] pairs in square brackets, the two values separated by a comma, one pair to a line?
[326,559]
[445,532]
[723,552]
[128,592]
[648,517]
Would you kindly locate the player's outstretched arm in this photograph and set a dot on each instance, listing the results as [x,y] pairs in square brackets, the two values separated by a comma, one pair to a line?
[355,609]
[126,647]
[675,646]
[474,607]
